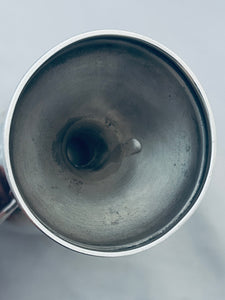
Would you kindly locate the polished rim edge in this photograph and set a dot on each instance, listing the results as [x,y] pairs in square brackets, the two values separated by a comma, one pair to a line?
[9,117]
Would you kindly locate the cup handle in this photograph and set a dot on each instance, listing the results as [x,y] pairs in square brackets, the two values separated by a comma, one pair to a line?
[6,211]
[8,207]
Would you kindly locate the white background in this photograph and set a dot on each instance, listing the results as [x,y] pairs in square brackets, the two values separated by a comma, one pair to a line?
[191,263]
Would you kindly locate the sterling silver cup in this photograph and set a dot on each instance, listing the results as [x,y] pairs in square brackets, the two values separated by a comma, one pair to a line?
[109,143]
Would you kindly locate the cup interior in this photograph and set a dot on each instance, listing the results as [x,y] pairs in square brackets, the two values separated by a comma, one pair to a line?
[110,143]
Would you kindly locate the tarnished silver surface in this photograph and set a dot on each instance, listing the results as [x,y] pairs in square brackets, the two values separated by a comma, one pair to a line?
[138,98]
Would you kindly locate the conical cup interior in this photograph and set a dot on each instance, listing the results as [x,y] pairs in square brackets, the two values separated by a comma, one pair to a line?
[109,143]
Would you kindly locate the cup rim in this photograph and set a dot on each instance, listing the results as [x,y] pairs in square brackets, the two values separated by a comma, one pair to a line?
[208,114]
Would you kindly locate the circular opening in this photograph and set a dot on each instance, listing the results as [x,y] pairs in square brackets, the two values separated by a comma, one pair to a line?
[85,148]
[83,209]
[79,151]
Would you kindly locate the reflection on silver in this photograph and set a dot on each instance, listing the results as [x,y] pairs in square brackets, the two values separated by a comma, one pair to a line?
[8,210]
[106,205]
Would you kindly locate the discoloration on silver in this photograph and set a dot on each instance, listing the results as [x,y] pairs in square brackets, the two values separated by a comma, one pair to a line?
[140,94]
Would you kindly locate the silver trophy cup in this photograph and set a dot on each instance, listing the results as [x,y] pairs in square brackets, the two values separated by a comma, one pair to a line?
[108,143]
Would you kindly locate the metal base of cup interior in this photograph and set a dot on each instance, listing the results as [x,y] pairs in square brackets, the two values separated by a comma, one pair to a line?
[110,143]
